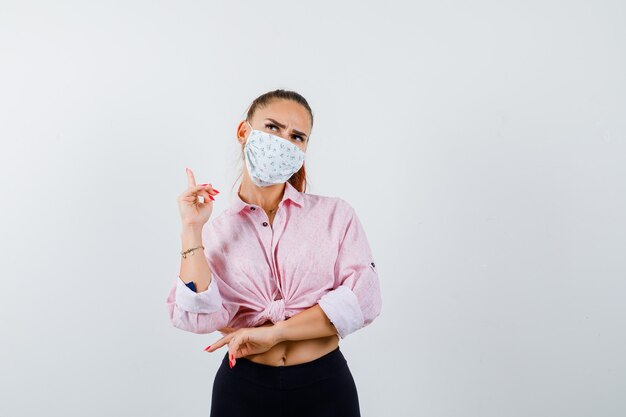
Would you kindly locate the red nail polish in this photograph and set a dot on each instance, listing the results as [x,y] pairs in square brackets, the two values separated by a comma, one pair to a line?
[211,197]
[208,347]
[215,189]
[204,184]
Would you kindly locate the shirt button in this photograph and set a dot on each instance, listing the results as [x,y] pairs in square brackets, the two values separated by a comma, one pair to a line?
[252,208]
[264,223]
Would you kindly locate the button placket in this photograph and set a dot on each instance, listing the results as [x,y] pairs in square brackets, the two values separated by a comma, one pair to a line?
[276,233]
[272,246]
[270,251]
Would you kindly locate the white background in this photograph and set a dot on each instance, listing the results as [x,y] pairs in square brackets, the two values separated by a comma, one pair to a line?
[481,143]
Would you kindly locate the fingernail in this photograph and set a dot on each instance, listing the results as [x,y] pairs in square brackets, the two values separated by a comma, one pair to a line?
[231,364]
[215,189]
[204,184]
[207,348]
[211,197]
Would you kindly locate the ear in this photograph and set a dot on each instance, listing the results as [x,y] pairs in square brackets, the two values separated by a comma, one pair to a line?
[243,129]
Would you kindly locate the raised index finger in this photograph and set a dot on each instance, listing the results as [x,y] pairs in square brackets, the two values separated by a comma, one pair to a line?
[191,180]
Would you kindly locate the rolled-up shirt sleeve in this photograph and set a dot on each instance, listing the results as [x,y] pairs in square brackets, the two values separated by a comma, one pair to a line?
[209,301]
[356,299]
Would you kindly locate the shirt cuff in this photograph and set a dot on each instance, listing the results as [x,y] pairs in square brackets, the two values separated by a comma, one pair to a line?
[342,308]
[208,301]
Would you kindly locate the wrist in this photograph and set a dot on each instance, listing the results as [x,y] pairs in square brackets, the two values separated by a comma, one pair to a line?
[280,331]
[191,229]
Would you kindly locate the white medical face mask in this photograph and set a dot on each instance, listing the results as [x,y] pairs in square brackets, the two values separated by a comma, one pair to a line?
[271,159]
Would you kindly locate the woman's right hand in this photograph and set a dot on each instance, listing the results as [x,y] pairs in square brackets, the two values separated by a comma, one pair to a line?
[193,213]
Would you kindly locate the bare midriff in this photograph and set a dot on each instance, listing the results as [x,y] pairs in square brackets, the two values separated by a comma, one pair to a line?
[293,352]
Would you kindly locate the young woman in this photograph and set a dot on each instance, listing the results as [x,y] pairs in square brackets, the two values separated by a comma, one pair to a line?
[281,273]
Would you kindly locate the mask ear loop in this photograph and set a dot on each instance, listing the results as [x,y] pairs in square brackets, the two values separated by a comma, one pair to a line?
[252,128]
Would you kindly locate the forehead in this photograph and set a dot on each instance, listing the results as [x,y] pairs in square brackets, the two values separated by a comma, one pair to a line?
[287,112]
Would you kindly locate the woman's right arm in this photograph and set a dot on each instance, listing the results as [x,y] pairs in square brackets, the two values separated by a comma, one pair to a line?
[200,311]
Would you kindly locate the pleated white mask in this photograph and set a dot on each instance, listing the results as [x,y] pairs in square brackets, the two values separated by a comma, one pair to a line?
[271,159]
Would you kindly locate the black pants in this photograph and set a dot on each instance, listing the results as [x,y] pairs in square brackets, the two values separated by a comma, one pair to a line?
[318,388]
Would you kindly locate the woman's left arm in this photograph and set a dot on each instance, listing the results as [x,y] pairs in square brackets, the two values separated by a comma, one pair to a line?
[353,304]
[308,324]
[311,323]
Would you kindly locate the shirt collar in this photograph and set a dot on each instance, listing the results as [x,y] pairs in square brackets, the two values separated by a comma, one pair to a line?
[290,193]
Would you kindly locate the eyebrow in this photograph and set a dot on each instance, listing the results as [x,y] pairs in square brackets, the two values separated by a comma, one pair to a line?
[282,126]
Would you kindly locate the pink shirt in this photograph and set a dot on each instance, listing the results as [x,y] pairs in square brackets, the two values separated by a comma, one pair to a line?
[316,251]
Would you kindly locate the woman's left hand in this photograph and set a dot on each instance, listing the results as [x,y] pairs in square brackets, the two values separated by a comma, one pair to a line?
[246,341]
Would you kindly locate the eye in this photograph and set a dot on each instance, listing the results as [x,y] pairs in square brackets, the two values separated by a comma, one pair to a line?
[270,125]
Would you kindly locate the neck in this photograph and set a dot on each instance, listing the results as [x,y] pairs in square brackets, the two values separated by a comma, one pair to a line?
[265,197]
